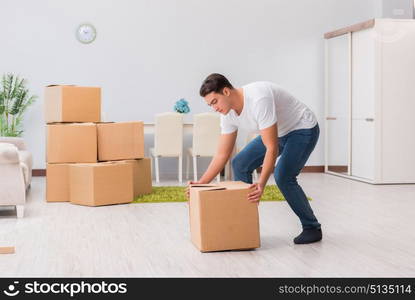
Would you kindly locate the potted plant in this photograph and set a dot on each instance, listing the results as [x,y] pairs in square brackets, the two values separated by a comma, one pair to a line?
[14,100]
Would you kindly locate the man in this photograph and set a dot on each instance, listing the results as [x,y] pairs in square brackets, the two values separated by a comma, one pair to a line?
[287,129]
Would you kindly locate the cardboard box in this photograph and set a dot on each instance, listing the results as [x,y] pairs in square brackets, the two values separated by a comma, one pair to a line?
[101,183]
[7,250]
[221,217]
[120,141]
[57,182]
[71,143]
[142,181]
[70,103]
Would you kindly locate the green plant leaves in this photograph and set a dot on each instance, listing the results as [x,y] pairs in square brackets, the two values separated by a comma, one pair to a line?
[14,100]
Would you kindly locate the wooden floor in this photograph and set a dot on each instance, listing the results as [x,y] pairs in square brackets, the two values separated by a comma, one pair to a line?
[368,231]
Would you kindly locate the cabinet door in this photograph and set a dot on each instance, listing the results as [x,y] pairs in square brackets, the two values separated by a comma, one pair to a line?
[398,101]
[363,104]
[338,103]
[363,153]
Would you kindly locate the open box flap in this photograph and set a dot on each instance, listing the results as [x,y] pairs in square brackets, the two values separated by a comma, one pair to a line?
[224,185]
[207,187]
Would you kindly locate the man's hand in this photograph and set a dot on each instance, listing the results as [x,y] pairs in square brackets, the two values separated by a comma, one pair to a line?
[256,193]
[187,192]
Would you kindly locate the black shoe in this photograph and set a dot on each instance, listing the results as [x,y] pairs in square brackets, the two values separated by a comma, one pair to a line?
[308,236]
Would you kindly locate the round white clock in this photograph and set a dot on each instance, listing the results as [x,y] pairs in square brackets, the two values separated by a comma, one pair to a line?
[86,33]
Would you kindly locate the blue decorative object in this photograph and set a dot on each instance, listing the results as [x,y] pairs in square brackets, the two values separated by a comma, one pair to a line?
[182,106]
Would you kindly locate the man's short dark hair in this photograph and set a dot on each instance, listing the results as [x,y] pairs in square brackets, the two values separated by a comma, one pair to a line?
[214,83]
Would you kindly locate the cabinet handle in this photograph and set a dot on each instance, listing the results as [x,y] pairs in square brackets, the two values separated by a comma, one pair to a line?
[331,118]
[369,119]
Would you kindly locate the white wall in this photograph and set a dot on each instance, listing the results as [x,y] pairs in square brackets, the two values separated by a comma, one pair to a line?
[150,53]
[397,9]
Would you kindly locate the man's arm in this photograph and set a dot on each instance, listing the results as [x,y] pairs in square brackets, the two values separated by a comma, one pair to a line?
[270,139]
[224,151]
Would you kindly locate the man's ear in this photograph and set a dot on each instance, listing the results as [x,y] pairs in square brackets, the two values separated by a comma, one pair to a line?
[226,91]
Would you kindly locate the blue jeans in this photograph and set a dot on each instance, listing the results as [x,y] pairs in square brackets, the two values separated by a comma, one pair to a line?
[294,149]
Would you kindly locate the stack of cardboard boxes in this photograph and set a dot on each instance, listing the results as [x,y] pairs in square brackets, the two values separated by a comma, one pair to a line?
[94,163]
[90,162]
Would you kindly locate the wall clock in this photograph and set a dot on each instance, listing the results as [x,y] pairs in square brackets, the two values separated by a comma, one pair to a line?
[86,33]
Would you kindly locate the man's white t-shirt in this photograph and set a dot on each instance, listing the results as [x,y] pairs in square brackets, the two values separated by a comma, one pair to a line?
[265,104]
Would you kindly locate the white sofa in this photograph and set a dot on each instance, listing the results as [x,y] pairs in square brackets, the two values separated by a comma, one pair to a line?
[16,173]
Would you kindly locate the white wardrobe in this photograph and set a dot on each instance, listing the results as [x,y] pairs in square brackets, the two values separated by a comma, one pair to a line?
[370,101]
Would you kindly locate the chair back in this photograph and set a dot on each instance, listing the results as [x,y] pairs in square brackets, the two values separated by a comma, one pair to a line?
[206,133]
[168,134]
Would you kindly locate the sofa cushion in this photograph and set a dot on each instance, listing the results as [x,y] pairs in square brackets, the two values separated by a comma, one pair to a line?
[8,154]
[26,177]
[27,160]
[17,141]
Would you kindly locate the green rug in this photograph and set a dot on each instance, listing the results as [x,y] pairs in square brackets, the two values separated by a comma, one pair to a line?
[176,194]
